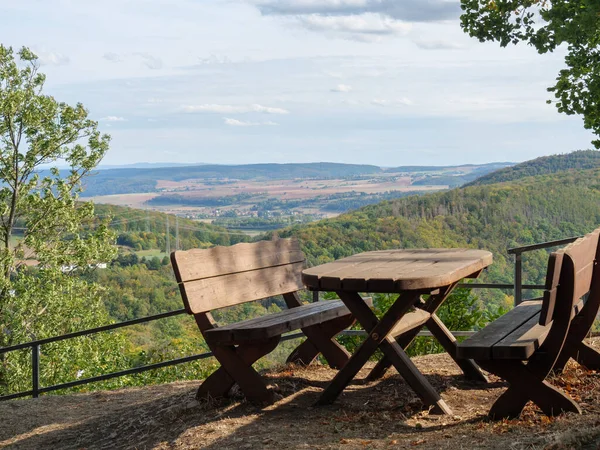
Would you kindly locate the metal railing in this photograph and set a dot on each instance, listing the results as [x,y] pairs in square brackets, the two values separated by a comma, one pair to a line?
[36,390]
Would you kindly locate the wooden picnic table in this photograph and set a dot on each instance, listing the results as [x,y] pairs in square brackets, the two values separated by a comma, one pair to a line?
[410,273]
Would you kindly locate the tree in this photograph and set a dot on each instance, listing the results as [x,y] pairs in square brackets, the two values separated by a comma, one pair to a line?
[546,25]
[42,220]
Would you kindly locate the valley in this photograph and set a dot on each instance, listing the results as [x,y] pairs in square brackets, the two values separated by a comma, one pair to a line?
[271,196]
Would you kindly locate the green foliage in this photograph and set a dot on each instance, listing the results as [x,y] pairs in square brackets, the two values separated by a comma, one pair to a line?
[60,233]
[546,25]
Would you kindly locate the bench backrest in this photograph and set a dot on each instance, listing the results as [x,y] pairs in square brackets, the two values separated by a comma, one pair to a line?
[570,276]
[218,277]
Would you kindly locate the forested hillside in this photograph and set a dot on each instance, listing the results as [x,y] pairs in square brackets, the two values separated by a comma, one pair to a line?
[582,159]
[493,217]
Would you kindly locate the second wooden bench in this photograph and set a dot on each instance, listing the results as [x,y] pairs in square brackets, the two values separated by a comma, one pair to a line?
[540,336]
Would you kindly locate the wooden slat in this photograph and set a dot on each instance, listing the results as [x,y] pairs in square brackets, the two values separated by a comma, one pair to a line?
[583,253]
[410,321]
[196,264]
[479,346]
[219,292]
[276,324]
[552,277]
[522,342]
[330,275]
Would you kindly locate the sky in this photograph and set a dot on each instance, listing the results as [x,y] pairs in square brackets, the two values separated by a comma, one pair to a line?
[384,82]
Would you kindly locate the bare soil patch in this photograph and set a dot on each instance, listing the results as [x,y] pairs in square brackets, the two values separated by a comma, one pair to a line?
[384,414]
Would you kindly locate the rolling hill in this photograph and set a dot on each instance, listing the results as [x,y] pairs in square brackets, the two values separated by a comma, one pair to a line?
[582,159]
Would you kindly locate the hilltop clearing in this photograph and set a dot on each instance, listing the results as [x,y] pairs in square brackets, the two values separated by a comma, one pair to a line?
[381,415]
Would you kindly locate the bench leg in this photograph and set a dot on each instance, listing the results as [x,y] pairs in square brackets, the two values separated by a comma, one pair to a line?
[321,340]
[526,386]
[582,353]
[236,367]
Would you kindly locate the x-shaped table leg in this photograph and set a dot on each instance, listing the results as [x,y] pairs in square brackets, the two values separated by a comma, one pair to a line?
[443,336]
[378,338]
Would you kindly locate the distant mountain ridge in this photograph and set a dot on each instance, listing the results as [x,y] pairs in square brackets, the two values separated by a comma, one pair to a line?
[581,159]
[140,180]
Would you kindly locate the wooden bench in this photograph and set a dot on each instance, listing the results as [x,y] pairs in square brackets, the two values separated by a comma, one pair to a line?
[220,277]
[540,336]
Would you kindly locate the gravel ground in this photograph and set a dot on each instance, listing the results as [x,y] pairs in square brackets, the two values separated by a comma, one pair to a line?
[384,414]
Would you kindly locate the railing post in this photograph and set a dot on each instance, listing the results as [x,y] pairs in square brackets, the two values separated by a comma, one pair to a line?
[35,372]
[518,279]
[315,296]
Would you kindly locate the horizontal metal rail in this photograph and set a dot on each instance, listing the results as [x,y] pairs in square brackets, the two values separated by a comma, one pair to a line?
[112,326]
[528,248]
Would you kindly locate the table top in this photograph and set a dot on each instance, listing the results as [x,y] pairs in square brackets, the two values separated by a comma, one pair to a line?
[397,270]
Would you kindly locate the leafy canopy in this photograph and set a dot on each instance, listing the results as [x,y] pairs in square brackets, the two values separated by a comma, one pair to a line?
[42,221]
[546,25]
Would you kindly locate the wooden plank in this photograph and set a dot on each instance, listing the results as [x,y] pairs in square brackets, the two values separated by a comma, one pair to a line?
[479,346]
[410,321]
[265,327]
[219,292]
[583,253]
[549,298]
[522,342]
[383,268]
[204,263]
[329,275]
[448,341]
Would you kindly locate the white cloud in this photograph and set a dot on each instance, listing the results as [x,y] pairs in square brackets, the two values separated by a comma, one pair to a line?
[341,88]
[231,109]
[112,57]
[51,58]
[364,24]
[437,45]
[214,59]
[242,123]
[409,10]
[113,119]
[151,62]
[396,102]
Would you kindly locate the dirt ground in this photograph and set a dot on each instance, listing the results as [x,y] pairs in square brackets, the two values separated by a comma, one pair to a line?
[383,414]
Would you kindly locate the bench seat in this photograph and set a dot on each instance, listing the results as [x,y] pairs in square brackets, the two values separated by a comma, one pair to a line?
[266,327]
[515,335]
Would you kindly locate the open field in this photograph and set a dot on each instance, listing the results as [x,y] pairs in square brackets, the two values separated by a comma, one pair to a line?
[384,414]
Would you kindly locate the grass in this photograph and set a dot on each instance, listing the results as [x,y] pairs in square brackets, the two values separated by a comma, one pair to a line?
[149,254]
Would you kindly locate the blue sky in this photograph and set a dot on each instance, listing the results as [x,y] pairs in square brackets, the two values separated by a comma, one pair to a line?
[385,82]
